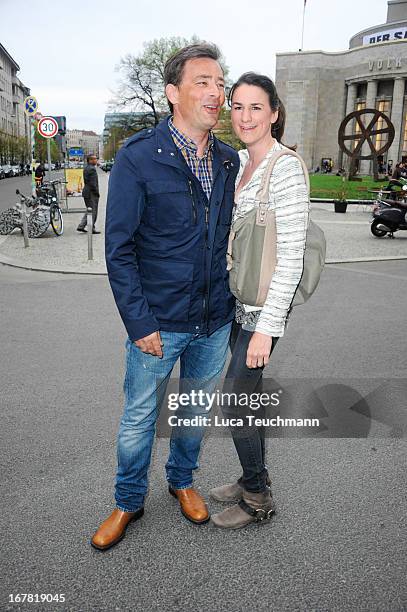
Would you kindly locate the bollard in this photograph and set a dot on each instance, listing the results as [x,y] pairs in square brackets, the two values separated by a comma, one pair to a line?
[89,224]
[24,220]
[65,194]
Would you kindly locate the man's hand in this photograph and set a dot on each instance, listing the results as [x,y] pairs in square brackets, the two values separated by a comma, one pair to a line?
[151,344]
[258,351]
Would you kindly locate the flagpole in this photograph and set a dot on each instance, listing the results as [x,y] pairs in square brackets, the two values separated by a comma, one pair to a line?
[303,23]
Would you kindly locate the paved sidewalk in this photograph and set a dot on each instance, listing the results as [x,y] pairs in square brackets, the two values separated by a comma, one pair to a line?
[66,253]
[348,239]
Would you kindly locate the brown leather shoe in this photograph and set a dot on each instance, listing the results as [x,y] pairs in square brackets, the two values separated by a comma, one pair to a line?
[113,529]
[193,505]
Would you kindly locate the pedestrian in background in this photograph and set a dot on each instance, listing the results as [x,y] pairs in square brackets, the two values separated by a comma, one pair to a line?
[397,171]
[90,193]
[39,173]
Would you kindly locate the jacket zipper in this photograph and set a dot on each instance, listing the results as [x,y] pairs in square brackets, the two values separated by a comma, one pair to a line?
[195,216]
[205,300]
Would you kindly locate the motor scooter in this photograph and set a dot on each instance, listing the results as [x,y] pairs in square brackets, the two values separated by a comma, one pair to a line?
[389,216]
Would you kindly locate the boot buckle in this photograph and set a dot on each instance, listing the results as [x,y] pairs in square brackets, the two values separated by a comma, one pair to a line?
[263,515]
[260,514]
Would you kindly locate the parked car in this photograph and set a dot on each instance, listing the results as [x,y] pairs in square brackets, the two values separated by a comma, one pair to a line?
[16,170]
[107,166]
[8,171]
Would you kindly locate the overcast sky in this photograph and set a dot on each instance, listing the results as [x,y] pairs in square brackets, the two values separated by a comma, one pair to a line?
[67,51]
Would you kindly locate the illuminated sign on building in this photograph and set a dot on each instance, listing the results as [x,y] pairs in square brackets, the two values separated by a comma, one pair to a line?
[385,36]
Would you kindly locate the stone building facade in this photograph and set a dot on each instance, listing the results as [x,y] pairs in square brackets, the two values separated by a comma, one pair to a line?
[320,88]
[13,121]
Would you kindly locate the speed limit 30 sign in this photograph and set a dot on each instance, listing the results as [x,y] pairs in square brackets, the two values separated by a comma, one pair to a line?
[48,127]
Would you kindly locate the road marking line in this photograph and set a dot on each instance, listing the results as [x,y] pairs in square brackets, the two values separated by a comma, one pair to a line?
[371,272]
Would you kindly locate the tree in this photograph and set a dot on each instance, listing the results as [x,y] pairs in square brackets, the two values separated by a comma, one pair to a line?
[224,131]
[40,148]
[125,127]
[117,134]
[142,84]
[14,149]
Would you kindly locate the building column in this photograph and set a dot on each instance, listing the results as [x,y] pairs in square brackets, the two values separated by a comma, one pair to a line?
[397,119]
[344,159]
[350,100]
[371,94]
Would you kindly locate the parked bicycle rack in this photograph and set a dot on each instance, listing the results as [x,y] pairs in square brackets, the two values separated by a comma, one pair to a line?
[60,188]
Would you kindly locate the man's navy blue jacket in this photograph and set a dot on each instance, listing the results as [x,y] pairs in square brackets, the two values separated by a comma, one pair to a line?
[165,243]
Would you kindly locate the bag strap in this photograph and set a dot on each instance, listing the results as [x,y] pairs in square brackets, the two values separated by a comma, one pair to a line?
[263,193]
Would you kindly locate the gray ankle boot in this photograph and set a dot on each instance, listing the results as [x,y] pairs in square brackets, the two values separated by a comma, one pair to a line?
[231,492]
[227,493]
[252,508]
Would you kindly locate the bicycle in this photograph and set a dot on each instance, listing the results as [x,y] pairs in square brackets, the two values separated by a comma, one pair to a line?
[48,193]
[37,220]
[46,211]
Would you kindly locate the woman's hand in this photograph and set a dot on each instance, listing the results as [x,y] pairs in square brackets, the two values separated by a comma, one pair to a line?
[258,351]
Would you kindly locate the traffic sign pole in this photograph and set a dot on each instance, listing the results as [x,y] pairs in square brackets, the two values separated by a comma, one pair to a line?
[33,191]
[31,110]
[49,158]
[48,128]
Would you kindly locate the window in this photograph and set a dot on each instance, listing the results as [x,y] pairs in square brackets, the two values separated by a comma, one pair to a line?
[384,107]
[358,106]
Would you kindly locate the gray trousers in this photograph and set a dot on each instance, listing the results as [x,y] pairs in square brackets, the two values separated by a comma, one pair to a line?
[93,203]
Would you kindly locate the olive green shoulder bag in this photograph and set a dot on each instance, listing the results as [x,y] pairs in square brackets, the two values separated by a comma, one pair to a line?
[252,249]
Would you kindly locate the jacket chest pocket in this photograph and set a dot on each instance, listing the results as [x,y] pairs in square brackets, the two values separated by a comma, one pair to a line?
[169,204]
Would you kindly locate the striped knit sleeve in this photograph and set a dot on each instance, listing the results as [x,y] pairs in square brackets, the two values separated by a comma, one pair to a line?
[289,193]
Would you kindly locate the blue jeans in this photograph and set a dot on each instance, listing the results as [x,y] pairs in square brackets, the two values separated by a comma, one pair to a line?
[202,359]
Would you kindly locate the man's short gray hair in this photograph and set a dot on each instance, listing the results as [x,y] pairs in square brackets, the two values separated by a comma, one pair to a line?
[174,66]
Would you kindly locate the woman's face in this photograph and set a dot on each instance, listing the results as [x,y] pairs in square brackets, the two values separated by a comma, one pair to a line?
[252,115]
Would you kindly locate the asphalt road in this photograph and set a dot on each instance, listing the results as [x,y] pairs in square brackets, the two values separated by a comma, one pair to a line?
[338,540]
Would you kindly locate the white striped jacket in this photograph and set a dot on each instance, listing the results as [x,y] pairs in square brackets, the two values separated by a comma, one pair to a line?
[290,200]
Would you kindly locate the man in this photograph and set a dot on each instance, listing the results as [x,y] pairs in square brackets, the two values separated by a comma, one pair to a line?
[90,193]
[169,209]
[39,173]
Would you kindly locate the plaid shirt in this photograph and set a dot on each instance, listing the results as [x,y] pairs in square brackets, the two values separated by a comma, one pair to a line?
[201,167]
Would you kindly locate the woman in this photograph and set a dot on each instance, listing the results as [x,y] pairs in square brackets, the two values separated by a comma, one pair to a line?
[258,120]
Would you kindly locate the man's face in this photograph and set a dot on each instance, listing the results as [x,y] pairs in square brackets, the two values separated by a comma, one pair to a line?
[200,96]
[93,161]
